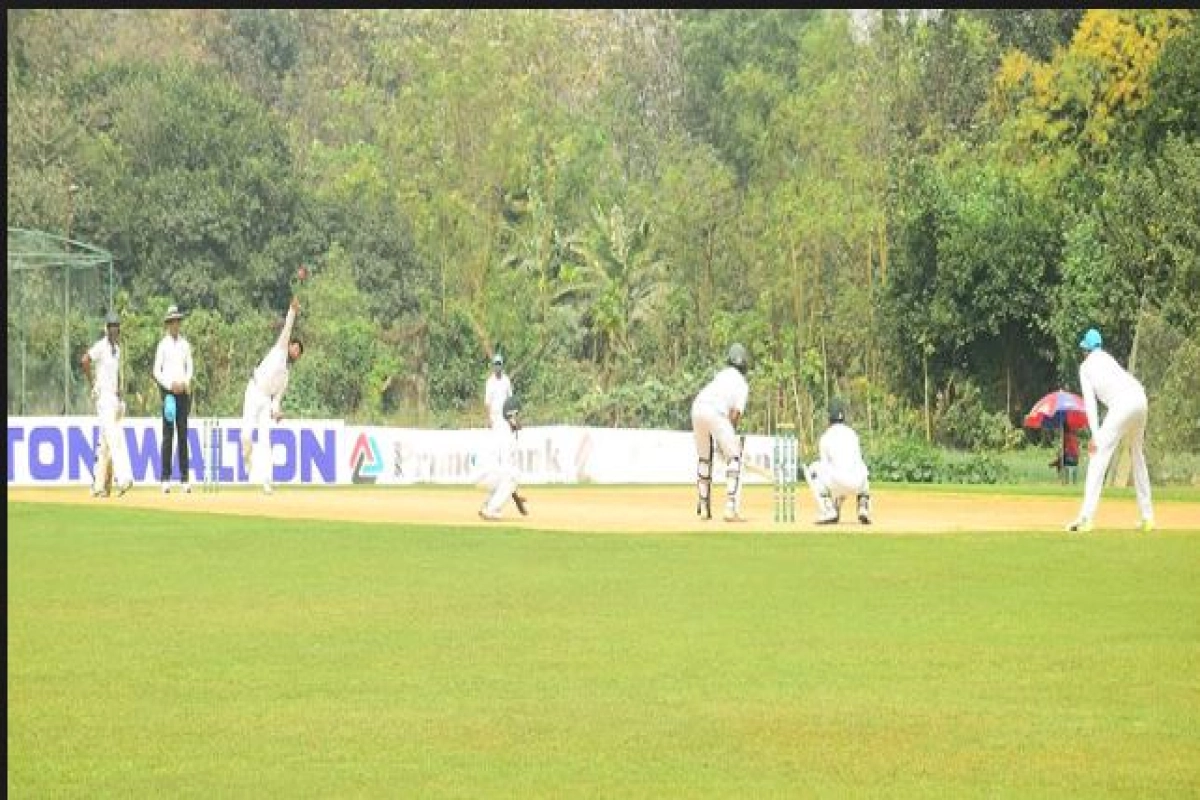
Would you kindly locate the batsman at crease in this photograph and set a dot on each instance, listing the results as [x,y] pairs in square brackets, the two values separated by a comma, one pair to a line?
[716,412]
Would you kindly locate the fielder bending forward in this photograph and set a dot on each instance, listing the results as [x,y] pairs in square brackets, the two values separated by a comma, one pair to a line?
[503,479]
[716,412]
[263,402]
[840,471]
[1105,381]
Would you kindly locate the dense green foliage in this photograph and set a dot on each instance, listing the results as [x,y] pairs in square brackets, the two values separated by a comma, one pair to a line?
[890,211]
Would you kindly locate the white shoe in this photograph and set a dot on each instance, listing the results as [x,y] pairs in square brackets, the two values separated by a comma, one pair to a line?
[733,515]
[186,487]
[268,489]
[99,493]
[1080,525]
[488,515]
[125,487]
[166,487]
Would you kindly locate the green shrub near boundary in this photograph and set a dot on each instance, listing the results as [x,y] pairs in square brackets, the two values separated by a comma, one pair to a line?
[914,461]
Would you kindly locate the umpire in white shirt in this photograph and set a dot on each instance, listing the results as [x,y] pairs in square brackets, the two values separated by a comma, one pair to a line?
[173,371]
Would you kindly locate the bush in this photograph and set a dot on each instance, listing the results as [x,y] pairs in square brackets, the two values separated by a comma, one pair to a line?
[914,461]
[964,423]
[904,461]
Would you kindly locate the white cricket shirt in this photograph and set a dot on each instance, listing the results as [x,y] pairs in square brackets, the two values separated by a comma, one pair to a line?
[839,448]
[173,361]
[497,389]
[726,392]
[1102,378]
[271,375]
[106,366]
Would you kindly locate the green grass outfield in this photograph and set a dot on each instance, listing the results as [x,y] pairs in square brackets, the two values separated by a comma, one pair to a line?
[153,655]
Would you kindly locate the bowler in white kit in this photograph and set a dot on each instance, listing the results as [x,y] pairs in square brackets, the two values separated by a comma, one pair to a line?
[263,402]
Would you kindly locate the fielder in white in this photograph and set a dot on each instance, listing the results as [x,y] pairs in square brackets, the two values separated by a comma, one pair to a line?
[105,355]
[716,412]
[1102,379]
[263,402]
[495,392]
[840,471]
[503,479]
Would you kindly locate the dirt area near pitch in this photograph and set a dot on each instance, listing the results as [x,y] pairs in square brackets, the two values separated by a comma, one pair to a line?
[627,509]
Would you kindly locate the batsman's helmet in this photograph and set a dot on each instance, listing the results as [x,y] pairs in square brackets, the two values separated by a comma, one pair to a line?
[837,411]
[738,358]
[112,319]
[512,407]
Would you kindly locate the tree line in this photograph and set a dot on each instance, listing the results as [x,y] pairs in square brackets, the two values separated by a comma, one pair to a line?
[916,212]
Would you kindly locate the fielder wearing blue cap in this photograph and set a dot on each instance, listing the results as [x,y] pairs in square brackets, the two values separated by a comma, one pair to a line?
[1091,340]
[1103,380]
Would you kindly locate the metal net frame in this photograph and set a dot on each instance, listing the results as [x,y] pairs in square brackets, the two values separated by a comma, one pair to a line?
[58,292]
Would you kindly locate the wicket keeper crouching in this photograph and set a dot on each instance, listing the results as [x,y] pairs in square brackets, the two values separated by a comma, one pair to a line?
[840,471]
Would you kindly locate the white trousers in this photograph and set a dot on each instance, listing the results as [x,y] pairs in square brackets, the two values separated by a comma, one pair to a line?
[709,423]
[710,426]
[502,484]
[112,444]
[823,479]
[256,418]
[502,477]
[1123,422]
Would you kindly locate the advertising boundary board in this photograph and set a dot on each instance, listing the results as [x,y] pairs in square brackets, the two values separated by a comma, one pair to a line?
[60,451]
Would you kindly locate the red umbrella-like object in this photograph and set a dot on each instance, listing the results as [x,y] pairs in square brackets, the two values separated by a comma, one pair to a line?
[1058,410]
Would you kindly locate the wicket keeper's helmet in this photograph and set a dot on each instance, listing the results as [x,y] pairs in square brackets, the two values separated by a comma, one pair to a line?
[512,407]
[837,411]
[738,358]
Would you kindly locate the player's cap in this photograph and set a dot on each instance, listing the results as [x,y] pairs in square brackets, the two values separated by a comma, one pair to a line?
[1091,340]
[837,411]
[173,313]
[512,407]
[112,319]
[738,357]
